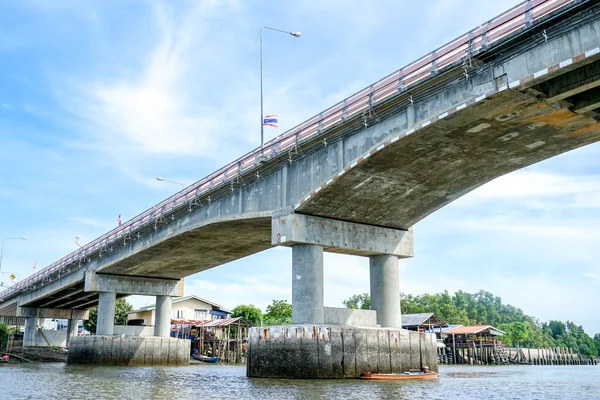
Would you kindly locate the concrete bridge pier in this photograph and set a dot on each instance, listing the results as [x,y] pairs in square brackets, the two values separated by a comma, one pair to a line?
[162,319]
[33,319]
[328,342]
[307,284]
[31,332]
[71,330]
[158,350]
[105,324]
[385,290]
[109,286]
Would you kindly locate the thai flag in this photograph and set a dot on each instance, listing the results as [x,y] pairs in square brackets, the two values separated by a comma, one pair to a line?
[119,219]
[271,120]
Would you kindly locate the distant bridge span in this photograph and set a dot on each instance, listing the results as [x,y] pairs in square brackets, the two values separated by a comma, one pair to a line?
[519,89]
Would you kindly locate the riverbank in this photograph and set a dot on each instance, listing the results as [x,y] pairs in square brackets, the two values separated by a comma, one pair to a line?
[18,354]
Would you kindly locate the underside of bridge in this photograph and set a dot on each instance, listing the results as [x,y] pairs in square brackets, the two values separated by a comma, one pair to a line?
[441,162]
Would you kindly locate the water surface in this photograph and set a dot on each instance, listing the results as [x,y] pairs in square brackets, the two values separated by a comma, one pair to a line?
[61,381]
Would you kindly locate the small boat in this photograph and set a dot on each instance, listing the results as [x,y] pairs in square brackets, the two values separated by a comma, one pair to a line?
[205,359]
[399,377]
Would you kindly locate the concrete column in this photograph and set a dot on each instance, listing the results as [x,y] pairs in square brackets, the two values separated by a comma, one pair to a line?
[71,330]
[385,290]
[307,284]
[30,334]
[162,318]
[106,314]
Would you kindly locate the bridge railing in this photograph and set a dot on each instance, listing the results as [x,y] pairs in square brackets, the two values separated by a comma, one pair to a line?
[458,49]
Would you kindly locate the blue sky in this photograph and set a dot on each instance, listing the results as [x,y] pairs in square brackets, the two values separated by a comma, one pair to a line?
[98,98]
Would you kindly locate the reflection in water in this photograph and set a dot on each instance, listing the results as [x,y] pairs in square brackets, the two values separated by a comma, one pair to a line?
[59,381]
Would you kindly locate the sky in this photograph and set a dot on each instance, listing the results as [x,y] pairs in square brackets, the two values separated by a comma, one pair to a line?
[98,98]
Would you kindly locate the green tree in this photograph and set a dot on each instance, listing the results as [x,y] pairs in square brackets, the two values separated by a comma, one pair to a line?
[90,324]
[3,334]
[517,333]
[483,308]
[249,312]
[362,301]
[278,313]
[122,307]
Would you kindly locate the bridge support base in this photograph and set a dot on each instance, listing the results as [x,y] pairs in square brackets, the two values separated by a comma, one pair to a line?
[132,350]
[336,351]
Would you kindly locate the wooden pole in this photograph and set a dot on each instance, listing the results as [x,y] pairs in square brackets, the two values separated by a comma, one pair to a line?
[454,350]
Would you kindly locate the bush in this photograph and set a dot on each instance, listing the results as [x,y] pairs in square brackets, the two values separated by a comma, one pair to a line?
[3,334]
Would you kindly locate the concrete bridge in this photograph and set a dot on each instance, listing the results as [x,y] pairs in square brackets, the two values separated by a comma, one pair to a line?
[516,90]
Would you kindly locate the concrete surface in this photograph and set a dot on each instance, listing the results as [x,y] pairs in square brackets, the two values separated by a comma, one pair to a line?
[129,330]
[341,237]
[106,314]
[139,285]
[133,351]
[350,317]
[307,284]
[52,313]
[384,280]
[336,351]
[162,321]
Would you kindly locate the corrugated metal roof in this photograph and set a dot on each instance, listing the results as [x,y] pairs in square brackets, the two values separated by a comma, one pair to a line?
[430,319]
[214,322]
[474,329]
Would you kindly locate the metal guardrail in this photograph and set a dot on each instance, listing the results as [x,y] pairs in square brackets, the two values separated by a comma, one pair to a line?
[460,48]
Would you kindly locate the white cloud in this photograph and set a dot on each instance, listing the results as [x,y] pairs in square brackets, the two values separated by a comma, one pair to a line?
[532,184]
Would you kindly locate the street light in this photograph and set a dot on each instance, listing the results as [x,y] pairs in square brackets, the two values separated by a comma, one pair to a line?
[262,128]
[2,247]
[158,178]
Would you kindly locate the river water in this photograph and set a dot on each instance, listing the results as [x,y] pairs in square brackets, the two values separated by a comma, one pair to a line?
[61,381]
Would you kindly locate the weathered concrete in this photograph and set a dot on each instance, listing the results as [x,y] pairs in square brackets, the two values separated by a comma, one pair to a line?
[350,317]
[162,321]
[130,330]
[385,290]
[307,284]
[52,313]
[95,282]
[106,313]
[321,352]
[340,237]
[133,351]
[56,338]
[71,330]
[31,332]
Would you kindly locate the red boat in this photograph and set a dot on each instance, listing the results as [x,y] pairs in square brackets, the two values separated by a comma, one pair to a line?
[399,377]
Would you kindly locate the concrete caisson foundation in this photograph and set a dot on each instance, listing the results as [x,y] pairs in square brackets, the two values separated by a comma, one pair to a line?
[336,351]
[140,351]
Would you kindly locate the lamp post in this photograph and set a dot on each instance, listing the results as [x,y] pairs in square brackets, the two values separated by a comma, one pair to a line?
[262,128]
[158,178]
[2,247]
